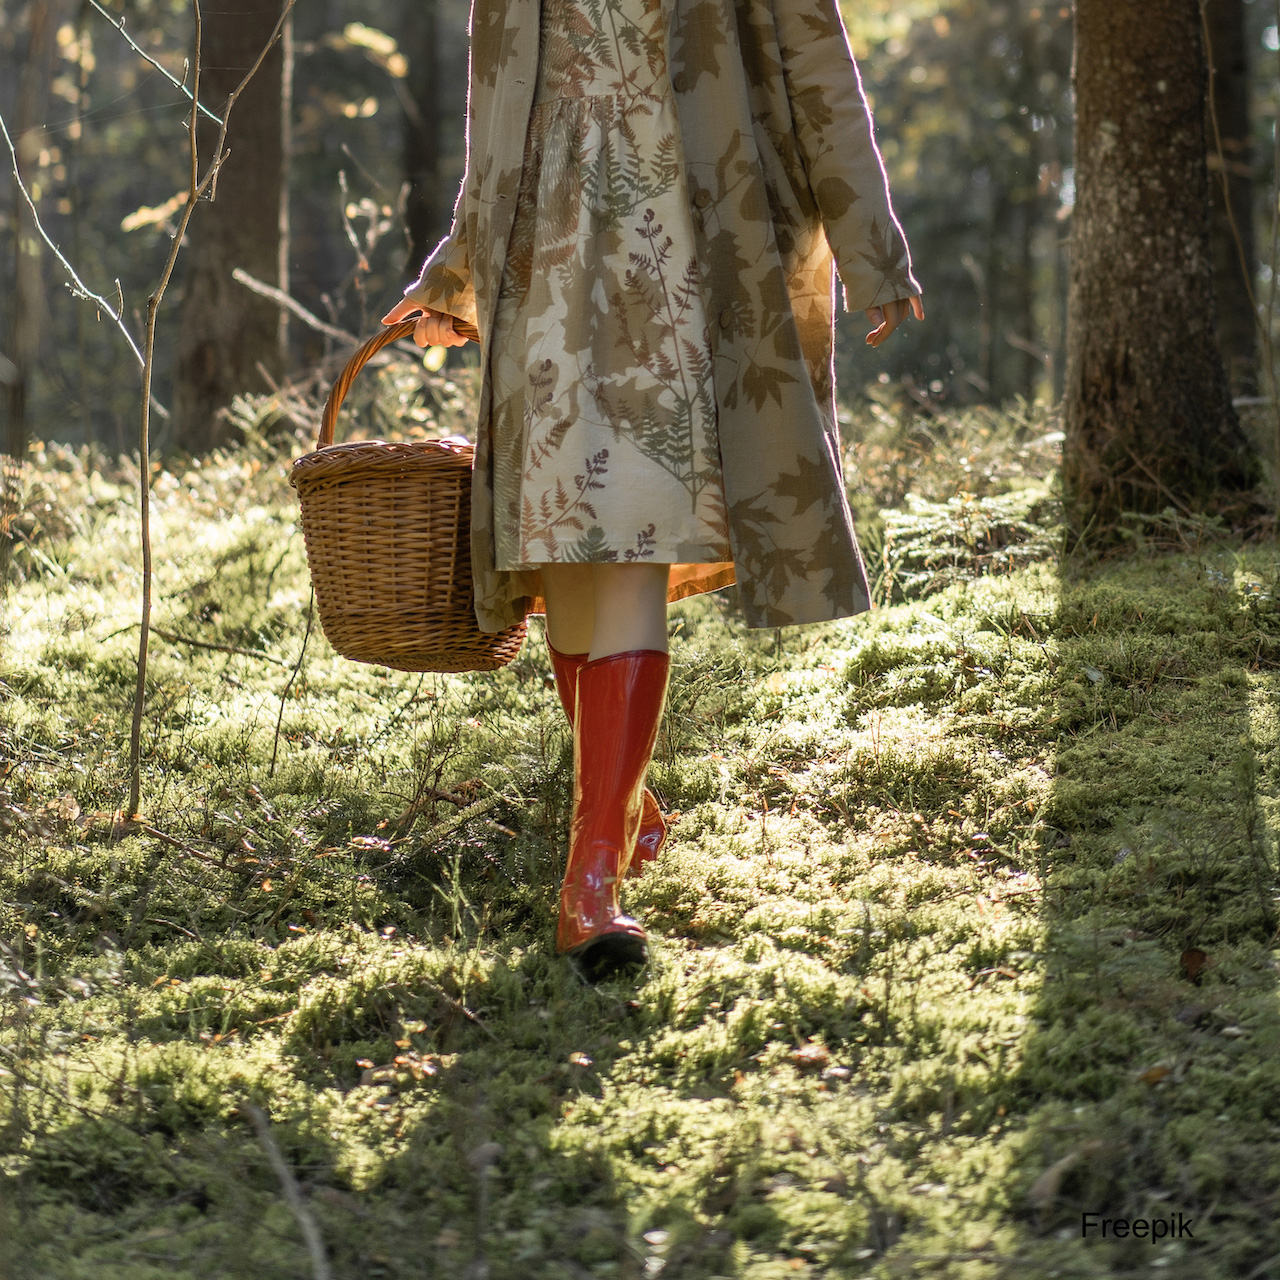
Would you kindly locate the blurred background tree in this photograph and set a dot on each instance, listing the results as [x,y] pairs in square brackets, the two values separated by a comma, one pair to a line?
[973,105]
[1232,189]
[228,339]
[975,112]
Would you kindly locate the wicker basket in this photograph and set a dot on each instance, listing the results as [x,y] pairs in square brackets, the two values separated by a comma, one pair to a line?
[388,530]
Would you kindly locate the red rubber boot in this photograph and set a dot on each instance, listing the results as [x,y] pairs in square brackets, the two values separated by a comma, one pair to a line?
[619,705]
[653,830]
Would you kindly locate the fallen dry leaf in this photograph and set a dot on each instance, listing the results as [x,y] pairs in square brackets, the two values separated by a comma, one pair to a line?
[812,1057]
[64,808]
[1044,1190]
[1153,1075]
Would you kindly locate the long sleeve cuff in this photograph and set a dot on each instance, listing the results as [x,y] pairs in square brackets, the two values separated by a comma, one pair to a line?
[445,283]
[837,143]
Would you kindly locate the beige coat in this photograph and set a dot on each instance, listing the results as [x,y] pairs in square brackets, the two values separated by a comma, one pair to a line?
[788,189]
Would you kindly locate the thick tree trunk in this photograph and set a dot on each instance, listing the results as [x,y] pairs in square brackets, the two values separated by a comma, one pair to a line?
[1149,421]
[424,210]
[1234,243]
[225,330]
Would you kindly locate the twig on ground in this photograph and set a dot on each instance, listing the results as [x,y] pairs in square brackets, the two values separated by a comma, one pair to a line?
[433,793]
[292,1192]
[420,801]
[195,937]
[287,303]
[275,742]
[476,809]
[174,843]
[458,1007]
[174,638]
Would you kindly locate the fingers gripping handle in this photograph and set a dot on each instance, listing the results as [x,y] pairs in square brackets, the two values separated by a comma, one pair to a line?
[363,354]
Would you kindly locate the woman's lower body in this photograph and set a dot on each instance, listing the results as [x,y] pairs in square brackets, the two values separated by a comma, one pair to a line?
[606,630]
[605,458]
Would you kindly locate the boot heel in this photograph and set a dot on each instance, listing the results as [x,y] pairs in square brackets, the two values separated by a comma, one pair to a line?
[611,952]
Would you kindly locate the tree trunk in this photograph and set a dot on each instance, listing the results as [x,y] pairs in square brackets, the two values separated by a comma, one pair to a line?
[284,237]
[1149,422]
[225,330]
[29,309]
[424,209]
[1234,243]
[1032,365]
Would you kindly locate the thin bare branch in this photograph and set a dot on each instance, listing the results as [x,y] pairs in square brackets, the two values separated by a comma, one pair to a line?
[287,303]
[1269,326]
[320,1269]
[78,286]
[180,85]
[275,743]
[197,187]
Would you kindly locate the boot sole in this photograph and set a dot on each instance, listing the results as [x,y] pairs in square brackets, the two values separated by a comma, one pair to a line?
[610,954]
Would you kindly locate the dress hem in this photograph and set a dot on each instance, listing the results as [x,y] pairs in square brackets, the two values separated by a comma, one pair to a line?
[686,580]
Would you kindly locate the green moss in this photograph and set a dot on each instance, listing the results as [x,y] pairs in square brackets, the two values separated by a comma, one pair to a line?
[954,850]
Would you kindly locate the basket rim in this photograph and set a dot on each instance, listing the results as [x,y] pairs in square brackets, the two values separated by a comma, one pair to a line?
[450,453]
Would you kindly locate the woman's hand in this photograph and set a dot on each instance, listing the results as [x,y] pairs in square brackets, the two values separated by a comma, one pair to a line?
[435,328]
[890,316]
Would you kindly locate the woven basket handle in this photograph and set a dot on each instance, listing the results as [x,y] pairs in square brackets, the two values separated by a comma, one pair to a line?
[392,333]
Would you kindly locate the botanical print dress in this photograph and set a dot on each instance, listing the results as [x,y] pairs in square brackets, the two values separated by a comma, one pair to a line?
[774,143]
[604,410]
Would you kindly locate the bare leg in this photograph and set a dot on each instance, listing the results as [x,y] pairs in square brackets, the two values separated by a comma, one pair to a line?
[569,591]
[630,608]
[603,609]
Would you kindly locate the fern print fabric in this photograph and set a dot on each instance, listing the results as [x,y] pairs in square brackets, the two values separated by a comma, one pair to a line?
[786,193]
[604,414]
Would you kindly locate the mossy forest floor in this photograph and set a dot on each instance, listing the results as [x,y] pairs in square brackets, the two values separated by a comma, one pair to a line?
[967,926]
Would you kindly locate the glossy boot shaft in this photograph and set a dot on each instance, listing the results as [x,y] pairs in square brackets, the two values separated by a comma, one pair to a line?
[619,706]
[653,830]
